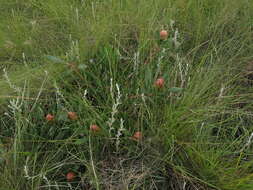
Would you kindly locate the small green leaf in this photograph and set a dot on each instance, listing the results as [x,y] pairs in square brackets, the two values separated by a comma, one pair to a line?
[176,89]
[26,153]
[54,59]
[81,141]
[62,116]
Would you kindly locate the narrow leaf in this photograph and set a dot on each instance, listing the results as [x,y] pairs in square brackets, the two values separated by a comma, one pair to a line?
[54,59]
[176,89]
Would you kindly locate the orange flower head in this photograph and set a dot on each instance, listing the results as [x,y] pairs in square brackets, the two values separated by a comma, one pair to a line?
[72,115]
[164,34]
[70,176]
[137,135]
[159,82]
[49,117]
[94,128]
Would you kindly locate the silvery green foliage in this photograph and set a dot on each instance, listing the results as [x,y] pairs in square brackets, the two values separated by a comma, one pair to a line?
[116,101]
[11,85]
[119,134]
[74,50]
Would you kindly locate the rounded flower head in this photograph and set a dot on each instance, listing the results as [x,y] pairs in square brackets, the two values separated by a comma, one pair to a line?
[164,34]
[159,83]
[72,115]
[70,176]
[94,128]
[137,135]
[49,117]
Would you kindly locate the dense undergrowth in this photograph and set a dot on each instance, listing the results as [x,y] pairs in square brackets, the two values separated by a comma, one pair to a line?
[100,60]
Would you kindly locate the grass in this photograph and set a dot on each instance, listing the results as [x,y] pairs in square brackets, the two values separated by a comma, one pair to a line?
[100,59]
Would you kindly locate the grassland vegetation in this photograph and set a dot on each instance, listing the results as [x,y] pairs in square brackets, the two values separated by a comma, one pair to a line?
[118,94]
